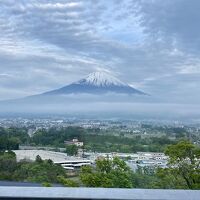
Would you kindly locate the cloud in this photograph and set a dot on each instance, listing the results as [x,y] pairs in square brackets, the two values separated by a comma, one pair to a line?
[153,45]
[190,69]
[57,6]
[175,23]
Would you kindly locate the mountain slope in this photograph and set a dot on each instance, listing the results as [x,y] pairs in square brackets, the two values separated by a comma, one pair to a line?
[98,93]
[96,83]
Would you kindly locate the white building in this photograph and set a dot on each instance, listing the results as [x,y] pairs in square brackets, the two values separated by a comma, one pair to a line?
[74,142]
[67,162]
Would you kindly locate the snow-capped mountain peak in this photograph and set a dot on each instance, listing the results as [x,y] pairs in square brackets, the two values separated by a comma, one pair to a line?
[101,79]
[96,83]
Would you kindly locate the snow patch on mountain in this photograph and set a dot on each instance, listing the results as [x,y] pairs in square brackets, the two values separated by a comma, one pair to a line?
[101,79]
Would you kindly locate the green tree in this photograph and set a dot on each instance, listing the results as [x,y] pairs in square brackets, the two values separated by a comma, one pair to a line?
[67,182]
[108,173]
[46,184]
[8,164]
[72,150]
[38,159]
[183,166]
[144,177]
[40,171]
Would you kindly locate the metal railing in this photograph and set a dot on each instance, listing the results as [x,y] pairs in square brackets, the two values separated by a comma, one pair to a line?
[39,193]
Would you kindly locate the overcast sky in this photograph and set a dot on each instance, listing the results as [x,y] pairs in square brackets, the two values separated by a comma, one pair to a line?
[154,45]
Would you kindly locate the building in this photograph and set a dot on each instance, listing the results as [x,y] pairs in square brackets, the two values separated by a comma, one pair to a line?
[74,142]
[67,162]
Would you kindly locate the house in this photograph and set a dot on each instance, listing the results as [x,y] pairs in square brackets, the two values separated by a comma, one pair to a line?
[74,142]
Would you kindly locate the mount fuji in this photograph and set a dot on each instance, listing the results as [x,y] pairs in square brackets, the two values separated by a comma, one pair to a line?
[96,83]
[97,92]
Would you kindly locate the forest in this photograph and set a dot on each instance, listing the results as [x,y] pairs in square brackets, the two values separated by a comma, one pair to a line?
[95,140]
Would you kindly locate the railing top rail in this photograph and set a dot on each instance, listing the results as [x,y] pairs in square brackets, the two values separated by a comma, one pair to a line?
[97,193]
